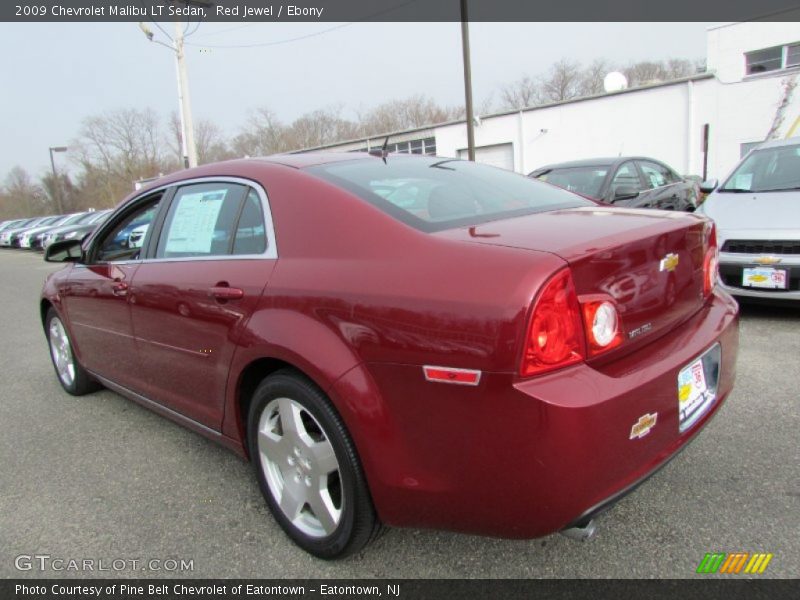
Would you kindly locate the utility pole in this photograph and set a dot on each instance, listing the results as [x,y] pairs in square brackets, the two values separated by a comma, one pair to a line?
[467,81]
[188,147]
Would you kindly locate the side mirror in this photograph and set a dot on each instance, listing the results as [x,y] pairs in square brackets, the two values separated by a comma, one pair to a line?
[625,192]
[64,251]
[709,186]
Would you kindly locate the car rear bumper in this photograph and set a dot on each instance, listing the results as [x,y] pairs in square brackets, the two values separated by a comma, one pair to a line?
[525,458]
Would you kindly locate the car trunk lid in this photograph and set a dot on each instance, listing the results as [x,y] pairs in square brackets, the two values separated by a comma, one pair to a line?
[649,262]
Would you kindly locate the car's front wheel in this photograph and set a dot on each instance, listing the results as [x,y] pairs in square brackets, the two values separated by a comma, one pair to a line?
[71,375]
[307,467]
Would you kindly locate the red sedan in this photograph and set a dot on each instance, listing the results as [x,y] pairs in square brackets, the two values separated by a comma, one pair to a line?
[412,341]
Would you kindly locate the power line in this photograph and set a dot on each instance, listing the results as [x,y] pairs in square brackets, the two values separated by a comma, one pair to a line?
[156,24]
[303,37]
[278,42]
[210,33]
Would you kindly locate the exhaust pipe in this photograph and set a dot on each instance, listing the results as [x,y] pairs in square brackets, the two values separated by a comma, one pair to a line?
[581,533]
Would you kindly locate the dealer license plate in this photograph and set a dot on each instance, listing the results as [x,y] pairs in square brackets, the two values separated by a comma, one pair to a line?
[764,277]
[695,394]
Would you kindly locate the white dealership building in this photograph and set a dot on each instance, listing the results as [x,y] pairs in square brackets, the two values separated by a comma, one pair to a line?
[747,94]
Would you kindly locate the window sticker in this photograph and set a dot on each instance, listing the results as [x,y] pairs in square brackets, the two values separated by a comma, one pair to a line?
[192,228]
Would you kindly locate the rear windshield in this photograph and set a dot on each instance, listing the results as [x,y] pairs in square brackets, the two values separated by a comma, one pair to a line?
[432,194]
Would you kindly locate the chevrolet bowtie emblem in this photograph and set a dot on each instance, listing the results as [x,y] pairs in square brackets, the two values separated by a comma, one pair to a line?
[669,262]
[767,260]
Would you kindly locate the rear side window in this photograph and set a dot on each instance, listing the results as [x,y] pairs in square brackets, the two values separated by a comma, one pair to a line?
[432,194]
[251,235]
[656,175]
[582,180]
[201,221]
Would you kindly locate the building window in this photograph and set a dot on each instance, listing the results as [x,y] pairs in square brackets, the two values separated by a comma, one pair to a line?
[421,146]
[772,59]
[793,55]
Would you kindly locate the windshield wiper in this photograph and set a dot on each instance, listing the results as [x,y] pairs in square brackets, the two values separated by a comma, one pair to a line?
[735,190]
[787,189]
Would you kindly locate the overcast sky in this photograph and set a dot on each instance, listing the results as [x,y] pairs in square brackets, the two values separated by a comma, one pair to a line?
[56,74]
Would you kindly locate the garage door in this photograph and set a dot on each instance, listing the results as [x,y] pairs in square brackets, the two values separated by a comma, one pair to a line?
[499,155]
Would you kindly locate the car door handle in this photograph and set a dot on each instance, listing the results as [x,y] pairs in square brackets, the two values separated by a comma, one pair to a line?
[224,292]
[119,289]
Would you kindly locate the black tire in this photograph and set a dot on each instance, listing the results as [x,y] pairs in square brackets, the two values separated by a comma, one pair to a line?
[80,382]
[357,522]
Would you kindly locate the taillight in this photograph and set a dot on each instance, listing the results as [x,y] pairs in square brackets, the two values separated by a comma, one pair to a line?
[602,322]
[555,337]
[710,262]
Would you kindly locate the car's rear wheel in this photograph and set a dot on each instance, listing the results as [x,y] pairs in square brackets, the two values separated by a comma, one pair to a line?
[308,469]
[71,375]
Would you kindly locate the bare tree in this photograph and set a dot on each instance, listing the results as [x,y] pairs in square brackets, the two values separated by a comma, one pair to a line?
[262,135]
[644,73]
[562,81]
[318,128]
[591,78]
[408,113]
[61,190]
[24,197]
[124,145]
[209,140]
[522,93]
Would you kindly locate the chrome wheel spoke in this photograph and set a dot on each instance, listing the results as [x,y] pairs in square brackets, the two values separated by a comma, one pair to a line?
[292,501]
[291,422]
[323,458]
[323,509]
[274,448]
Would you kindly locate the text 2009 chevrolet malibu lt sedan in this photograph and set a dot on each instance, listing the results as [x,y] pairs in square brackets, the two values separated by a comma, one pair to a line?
[415,342]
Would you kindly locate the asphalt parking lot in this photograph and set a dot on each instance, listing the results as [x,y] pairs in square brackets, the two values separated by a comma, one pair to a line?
[101,478]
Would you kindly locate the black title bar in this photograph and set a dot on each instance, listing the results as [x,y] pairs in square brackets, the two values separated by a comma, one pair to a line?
[387,589]
[397,10]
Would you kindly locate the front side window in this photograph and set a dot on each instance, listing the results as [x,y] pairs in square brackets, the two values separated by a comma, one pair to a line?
[626,181]
[124,241]
[433,194]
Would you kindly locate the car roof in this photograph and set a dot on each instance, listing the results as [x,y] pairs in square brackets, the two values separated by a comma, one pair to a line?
[795,141]
[310,159]
[607,161]
[245,166]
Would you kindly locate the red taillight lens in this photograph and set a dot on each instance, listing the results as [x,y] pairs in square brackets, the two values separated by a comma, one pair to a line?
[555,337]
[710,262]
[602,322]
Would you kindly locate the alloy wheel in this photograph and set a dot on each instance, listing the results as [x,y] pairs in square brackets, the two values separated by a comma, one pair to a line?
[61,351]
[300,467]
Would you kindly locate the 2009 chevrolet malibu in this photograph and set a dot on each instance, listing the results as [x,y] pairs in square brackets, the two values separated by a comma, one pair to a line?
[413,341]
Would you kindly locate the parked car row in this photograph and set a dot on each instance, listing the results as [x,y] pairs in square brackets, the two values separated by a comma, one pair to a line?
[755,209]
[38,233]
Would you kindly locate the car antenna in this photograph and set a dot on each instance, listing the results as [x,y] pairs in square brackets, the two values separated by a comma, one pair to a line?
[383,152]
